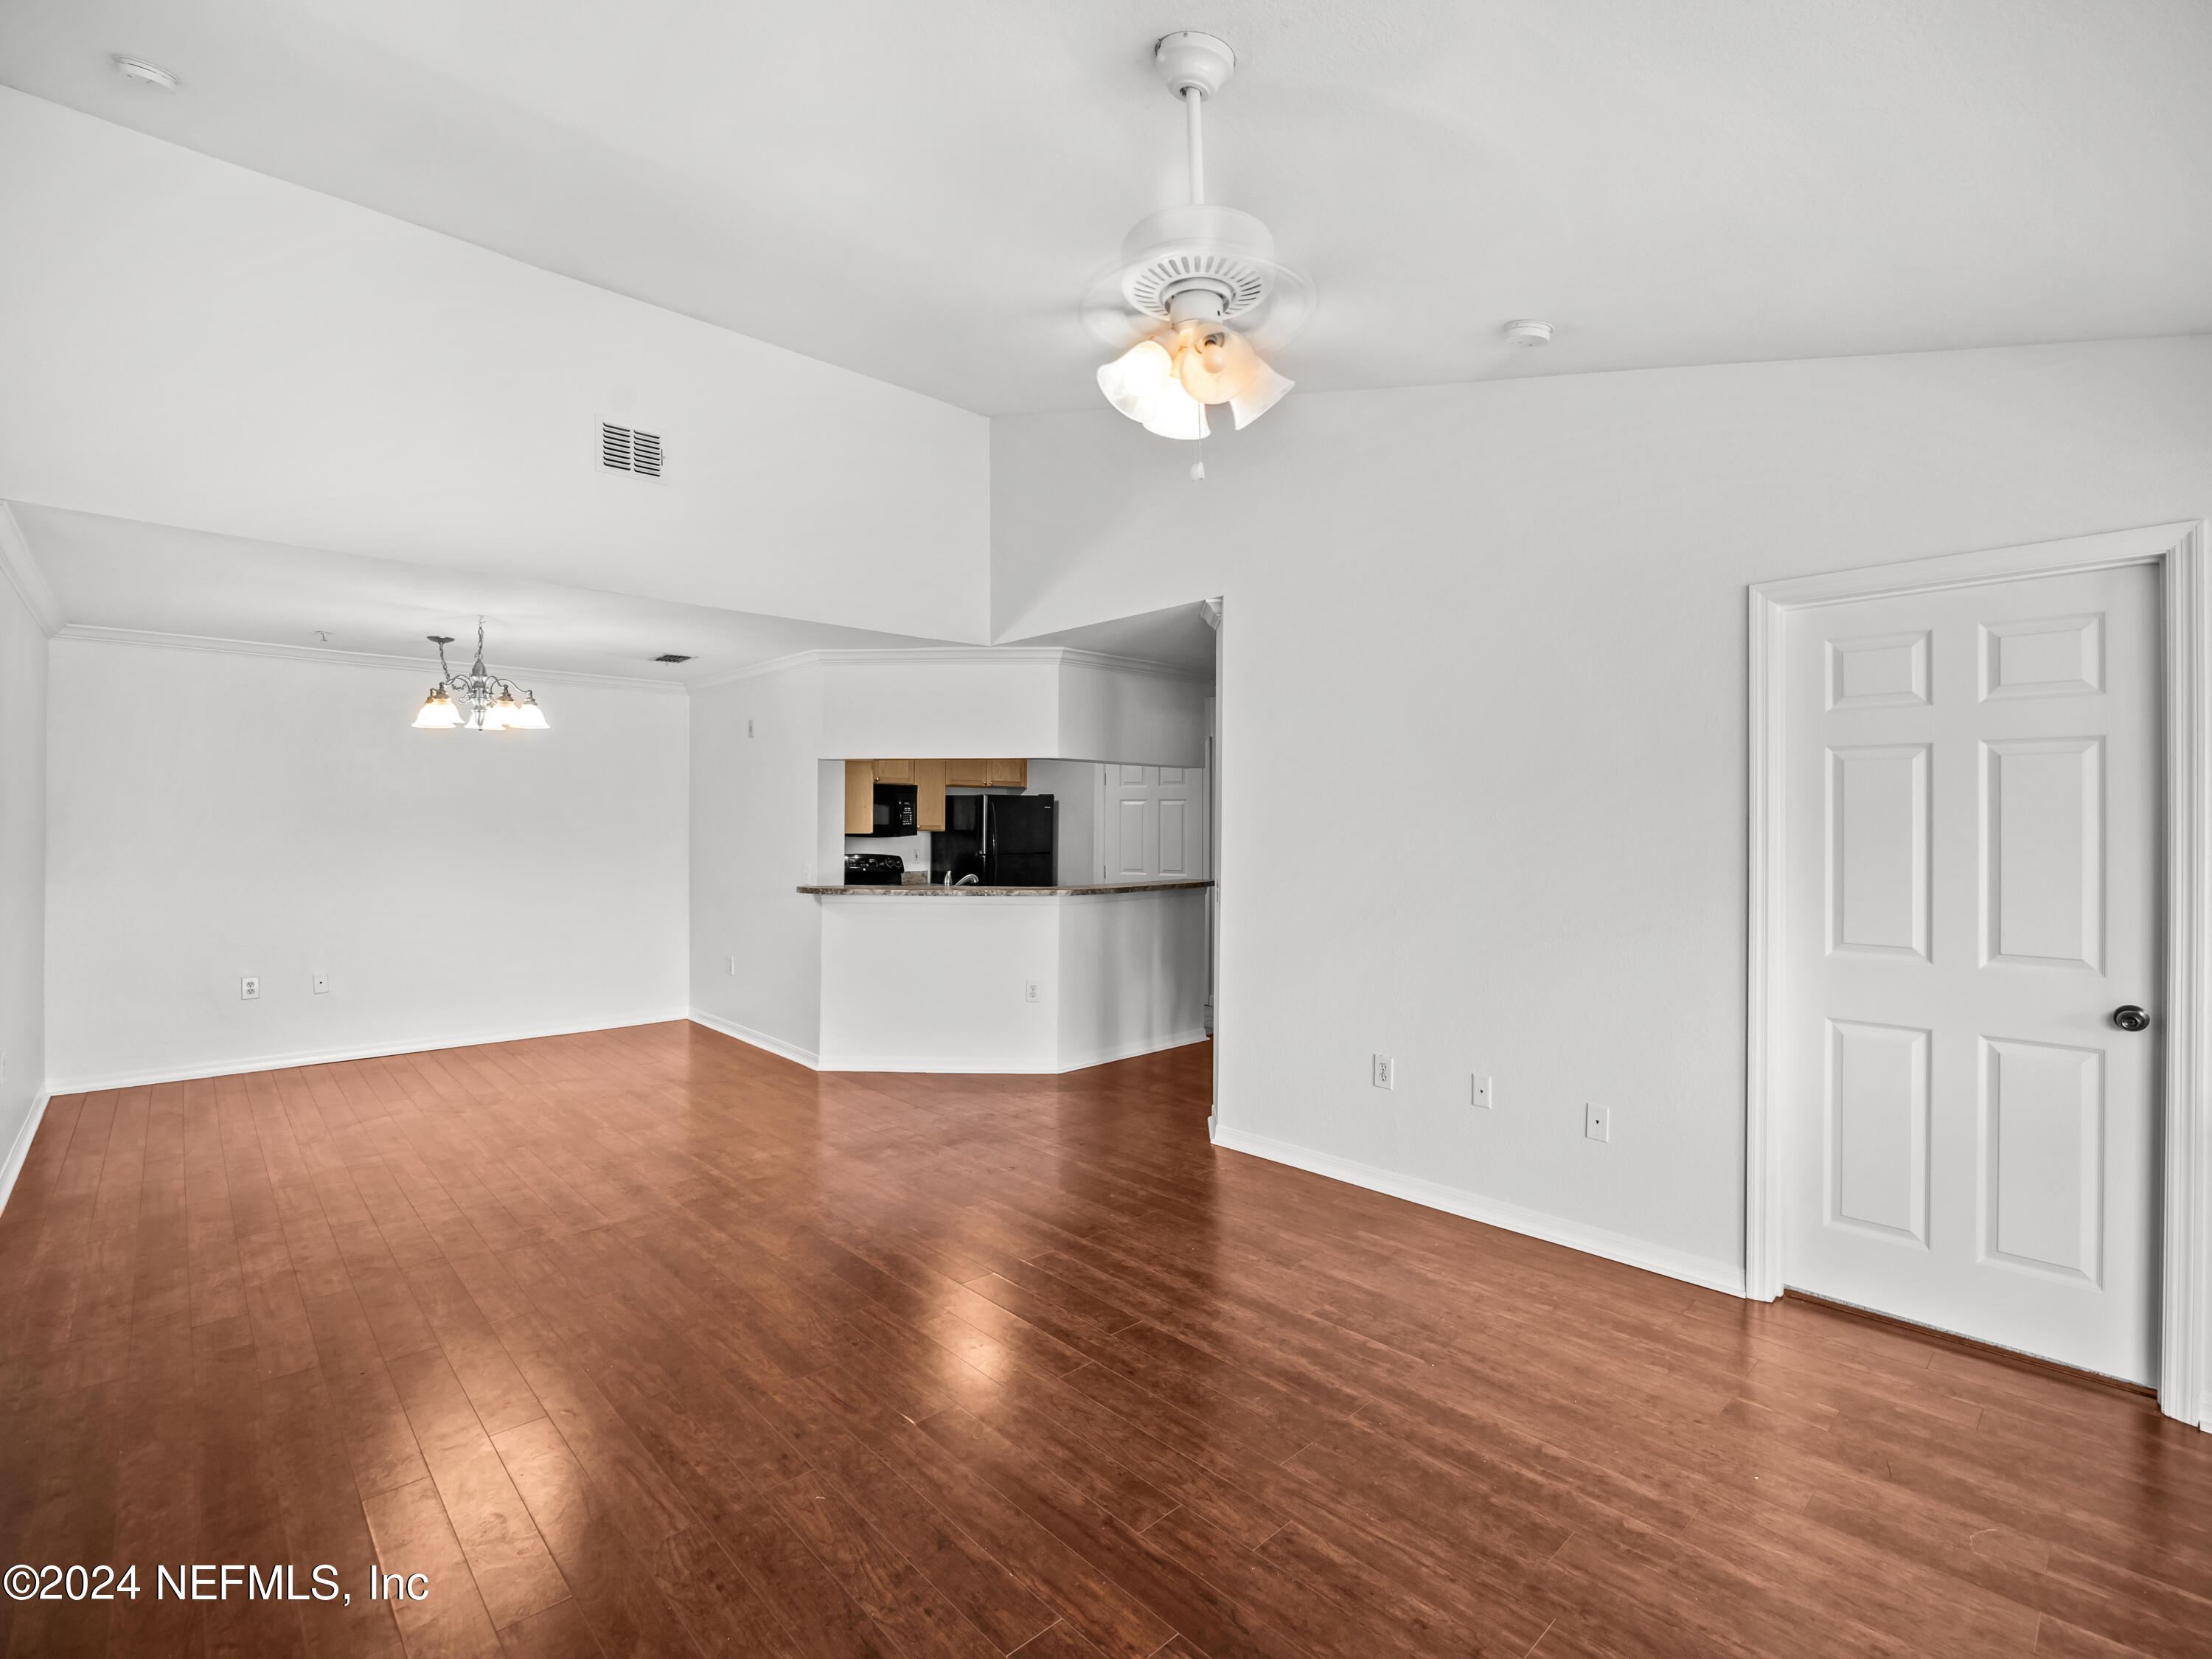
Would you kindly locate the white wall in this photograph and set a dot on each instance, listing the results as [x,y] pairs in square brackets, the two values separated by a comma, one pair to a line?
[1073,785]
[192,344]
[1132,975]
[1013,700]
[1111,713]
[22,875]
[922,984]
[1515,610]
[213,815]
[938,984]
[757,804]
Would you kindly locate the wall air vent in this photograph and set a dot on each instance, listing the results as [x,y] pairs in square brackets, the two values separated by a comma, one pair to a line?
[622,449]
[671,656]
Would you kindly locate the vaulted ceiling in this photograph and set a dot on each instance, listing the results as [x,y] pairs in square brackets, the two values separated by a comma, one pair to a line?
[921,193]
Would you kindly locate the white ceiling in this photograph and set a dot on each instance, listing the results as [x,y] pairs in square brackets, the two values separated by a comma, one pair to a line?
[1180,637]
[155,579]
[920,194]
[114,572]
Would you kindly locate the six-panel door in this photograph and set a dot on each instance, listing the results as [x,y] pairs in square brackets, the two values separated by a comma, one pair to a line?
[1969,1142]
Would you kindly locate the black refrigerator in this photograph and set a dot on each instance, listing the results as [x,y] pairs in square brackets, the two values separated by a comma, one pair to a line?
[1003,840]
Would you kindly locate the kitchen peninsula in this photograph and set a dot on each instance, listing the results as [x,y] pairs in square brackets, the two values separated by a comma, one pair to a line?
[869,900]
[1009,979]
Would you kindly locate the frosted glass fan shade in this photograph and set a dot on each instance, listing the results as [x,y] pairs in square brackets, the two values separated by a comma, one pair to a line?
[1132,379]
[1141,384]
[1265,391]
[1216,365]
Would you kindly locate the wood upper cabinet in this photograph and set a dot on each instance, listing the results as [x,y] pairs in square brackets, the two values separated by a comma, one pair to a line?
[929,794]
[860,797]
[930,779]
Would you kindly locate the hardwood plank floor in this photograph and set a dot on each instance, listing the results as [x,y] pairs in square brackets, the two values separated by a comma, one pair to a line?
[648,1342]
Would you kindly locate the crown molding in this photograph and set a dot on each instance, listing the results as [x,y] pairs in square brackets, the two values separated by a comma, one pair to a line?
[333,656]
[23,575]
[797,659]
[952,656]
[1078,658]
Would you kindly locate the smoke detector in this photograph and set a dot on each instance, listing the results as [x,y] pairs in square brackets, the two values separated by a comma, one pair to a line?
[1527,332]
[145,74]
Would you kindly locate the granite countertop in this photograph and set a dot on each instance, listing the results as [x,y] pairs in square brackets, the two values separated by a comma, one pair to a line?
[887,890]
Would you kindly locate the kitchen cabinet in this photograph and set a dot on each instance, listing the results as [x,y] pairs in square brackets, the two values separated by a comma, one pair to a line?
[860,797]
[930,779]
[929,794]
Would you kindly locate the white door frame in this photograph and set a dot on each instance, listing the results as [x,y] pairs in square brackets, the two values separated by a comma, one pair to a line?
[2179,551]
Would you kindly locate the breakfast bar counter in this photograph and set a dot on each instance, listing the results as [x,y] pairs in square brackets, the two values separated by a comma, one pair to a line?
[886,890]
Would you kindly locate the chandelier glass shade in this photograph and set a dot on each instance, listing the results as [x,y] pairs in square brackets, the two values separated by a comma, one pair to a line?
[479,700]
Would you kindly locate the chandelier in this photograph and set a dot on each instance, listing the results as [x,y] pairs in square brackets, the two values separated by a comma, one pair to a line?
[479,699]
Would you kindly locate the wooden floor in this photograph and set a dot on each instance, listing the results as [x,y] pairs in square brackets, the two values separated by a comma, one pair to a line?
[648,1342]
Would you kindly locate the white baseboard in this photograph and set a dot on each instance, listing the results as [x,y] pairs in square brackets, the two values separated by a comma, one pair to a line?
[745,1033]
[21,1149]
[1130,1050]
[1000,1064]
[1727,1277]
[954,1063]
[79,1086]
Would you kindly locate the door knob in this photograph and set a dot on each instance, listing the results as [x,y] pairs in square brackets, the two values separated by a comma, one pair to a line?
[2130,1018]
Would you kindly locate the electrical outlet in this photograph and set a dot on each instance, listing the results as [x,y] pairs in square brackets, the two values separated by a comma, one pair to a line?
[1597,1122]
[249,987]
[731,963]
[1479,1093]
[1031,991]
[1386,1071]
[322,984]
[749,728]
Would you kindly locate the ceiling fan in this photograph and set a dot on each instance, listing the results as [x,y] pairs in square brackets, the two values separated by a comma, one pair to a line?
[1199,285]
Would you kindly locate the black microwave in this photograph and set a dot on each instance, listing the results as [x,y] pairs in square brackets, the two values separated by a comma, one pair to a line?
[895,813]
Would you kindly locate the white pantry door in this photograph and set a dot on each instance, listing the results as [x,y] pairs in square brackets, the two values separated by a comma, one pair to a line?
[1969,1140]
[1152,823]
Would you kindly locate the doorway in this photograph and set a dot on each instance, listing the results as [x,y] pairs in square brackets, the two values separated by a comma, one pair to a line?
[1972,1031]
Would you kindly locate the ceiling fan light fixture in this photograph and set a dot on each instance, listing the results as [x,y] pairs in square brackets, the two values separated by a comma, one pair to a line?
[1196,268]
